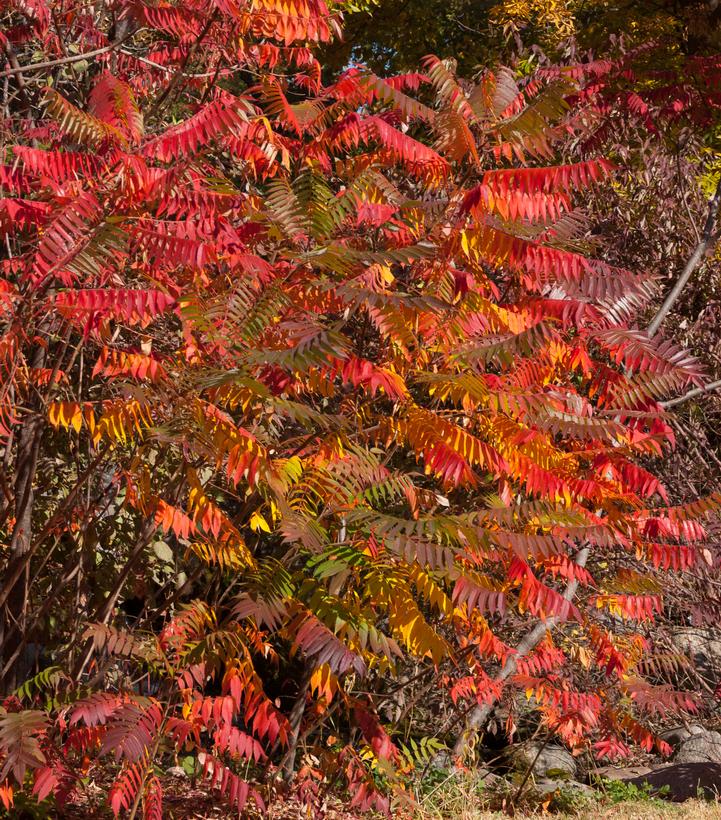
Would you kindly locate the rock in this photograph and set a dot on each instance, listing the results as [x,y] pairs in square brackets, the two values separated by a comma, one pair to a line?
[703,646]
[676,736]
[703,747]
[684,780]
[484,777]
[177,771]
[441,761]
[552,761]
[618,773]
[546,786]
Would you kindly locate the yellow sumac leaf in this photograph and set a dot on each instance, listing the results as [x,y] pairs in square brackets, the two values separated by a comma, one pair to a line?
[323,683]
[66,414]
[257,523]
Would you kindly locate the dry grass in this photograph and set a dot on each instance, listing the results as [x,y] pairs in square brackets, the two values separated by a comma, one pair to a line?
[453,799]
[691,810]
[465,798]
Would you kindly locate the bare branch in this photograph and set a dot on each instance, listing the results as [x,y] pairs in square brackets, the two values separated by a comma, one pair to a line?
[692,394]
[71,58]
[708,240]
[478,716]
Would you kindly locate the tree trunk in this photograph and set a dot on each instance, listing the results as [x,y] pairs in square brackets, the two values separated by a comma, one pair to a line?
[13,612]
[287,765]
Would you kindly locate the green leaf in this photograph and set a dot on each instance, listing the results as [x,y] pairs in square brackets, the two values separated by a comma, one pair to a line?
[163,552]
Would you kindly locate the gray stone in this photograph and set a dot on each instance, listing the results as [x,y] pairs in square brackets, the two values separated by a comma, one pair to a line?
[549,762]
[177,771]
[703,646]
[441,761]
[676,736]
[484,776]
[704,747]
[618,773]
[546,786]
[683,781]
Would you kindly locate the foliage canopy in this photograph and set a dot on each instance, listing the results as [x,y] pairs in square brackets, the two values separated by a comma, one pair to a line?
[324,377]
[394,35]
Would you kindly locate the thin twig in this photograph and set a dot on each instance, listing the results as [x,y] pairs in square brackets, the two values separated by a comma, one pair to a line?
[529,771]
[175,79]
[15,569]
[222,72]
[684,199]
[708,240]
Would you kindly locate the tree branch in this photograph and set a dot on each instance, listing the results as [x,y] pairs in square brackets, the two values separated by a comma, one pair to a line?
[71,58]
[16,567]
[478,716]
[692,394]
[175,79]
[708,240]
[223,72]
[16,68]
